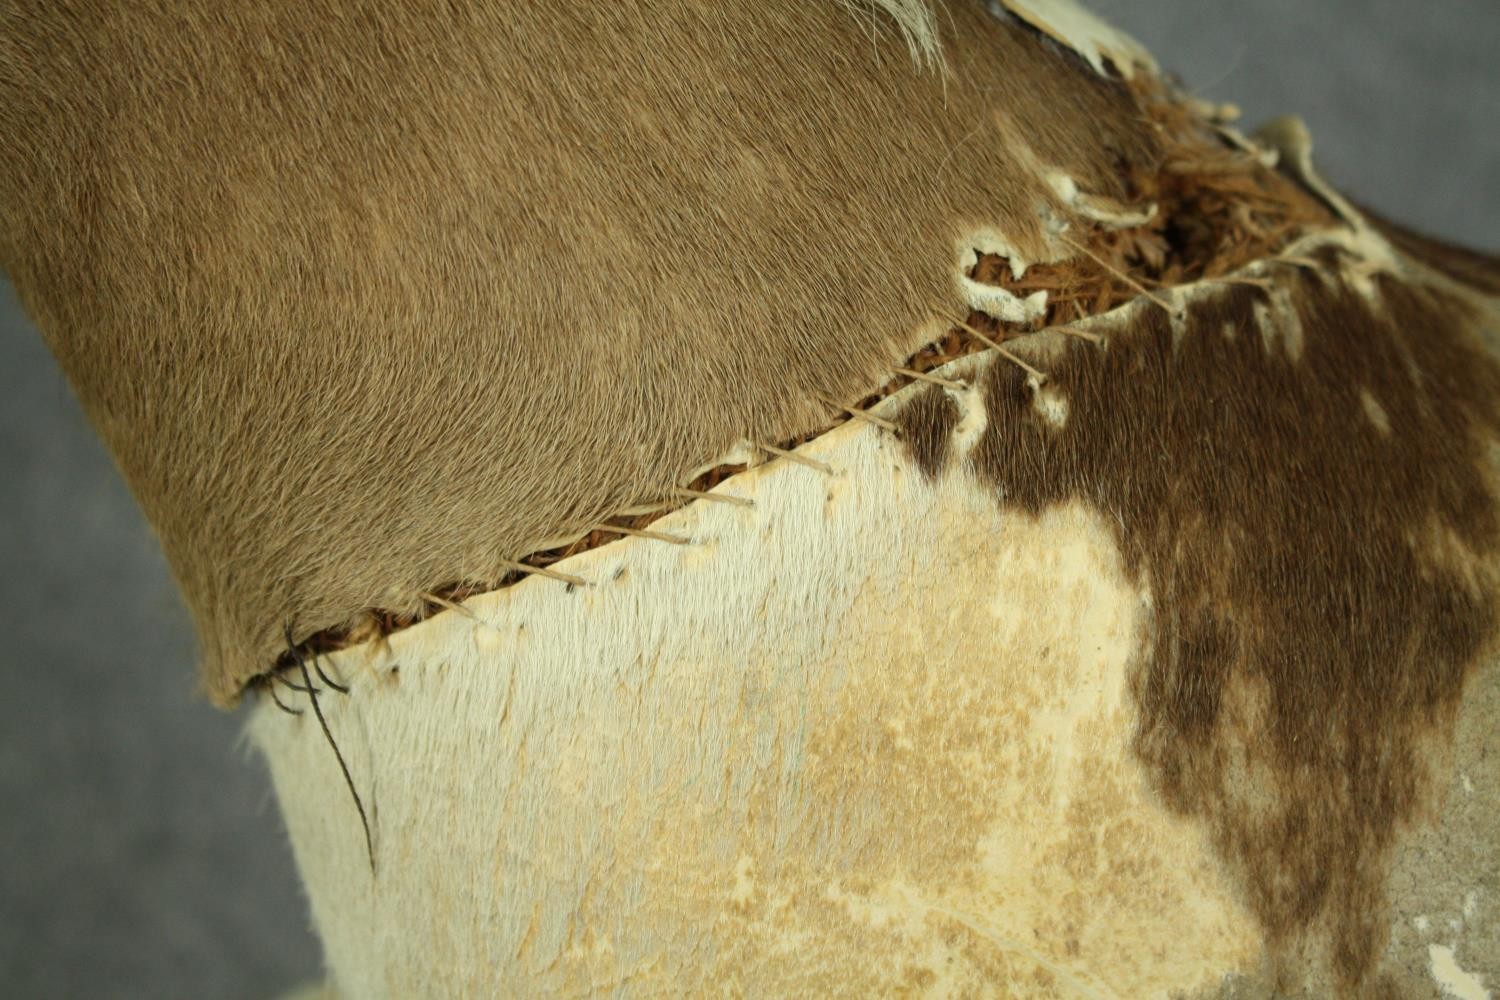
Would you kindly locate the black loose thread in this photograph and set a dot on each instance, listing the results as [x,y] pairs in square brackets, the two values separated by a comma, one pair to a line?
[312,696]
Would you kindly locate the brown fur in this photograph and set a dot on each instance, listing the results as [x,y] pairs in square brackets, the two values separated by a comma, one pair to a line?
[1321,580]
[926,427]
[368,299]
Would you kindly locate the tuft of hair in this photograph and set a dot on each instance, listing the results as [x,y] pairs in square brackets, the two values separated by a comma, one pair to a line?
[915,19]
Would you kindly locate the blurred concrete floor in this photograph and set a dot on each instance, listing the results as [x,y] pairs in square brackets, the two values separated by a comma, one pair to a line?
[140,852]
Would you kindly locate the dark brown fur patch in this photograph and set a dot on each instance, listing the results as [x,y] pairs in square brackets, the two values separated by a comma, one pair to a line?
[1314,612]
[926,426]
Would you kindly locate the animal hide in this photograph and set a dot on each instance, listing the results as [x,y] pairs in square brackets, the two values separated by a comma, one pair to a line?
[1090,581]
[371,300]
[1169,672]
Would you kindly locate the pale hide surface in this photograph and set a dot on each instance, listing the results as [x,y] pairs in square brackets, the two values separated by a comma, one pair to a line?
[793,758]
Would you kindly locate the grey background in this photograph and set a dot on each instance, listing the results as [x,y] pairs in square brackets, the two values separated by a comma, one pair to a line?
[140,852]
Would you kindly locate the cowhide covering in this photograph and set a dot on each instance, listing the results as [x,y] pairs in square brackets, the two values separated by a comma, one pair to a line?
[1169,674]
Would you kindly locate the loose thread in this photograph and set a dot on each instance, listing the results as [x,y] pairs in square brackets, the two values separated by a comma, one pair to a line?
[278,678]
[450,605]
[792,456]
[340,688]
[312,696]
[271,690]
[728,498]
[1004,353]
[1260,283]
[1092,338]
[1140,288]
[659,536]
[946,383]
[550,574]
[863,415]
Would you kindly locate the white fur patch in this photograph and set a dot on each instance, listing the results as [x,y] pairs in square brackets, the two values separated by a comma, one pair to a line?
[1107,212]
[1006,306]
[1451,978]
[1075,26]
